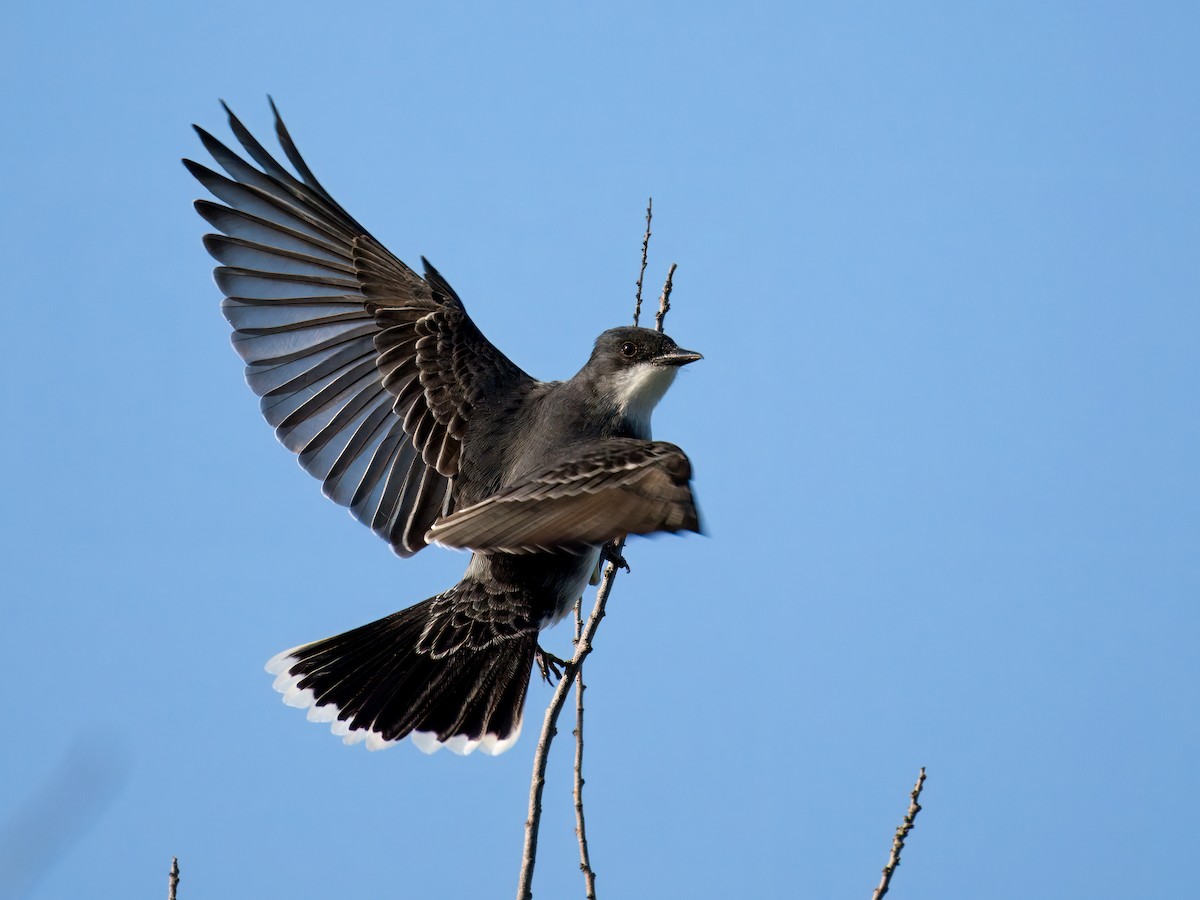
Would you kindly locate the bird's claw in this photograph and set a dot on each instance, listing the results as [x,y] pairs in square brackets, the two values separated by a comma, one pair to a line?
[610,553]
[549,664]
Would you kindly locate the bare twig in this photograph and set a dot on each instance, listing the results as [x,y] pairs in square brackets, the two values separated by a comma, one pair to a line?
[585,859]
[542,753]
[173,878]
[664,301]
[906,826]
[637,309]
[572,671]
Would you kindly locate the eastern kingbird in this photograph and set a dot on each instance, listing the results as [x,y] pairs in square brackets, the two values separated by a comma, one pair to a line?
[381,383]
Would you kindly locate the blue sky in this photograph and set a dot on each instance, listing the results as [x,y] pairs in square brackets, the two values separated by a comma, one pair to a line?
[941,261]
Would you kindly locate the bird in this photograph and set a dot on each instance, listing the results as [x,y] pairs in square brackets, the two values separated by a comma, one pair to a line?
[389,394]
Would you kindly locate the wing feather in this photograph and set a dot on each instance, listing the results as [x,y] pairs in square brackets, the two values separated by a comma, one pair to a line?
[328,323]
[592,494]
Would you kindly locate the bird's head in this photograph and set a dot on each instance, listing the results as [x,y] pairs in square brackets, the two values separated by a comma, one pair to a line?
[632,368]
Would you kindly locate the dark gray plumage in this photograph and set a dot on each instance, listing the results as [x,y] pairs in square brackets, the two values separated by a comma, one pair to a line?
[580,500]
[379,381]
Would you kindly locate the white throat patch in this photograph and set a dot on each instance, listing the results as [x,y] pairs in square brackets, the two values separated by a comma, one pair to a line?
[638,390]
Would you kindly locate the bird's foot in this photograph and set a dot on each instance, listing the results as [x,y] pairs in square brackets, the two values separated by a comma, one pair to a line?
[610,553]
[549,664]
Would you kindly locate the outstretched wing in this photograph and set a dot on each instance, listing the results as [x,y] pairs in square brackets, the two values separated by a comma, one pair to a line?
[593,493]
[358,360]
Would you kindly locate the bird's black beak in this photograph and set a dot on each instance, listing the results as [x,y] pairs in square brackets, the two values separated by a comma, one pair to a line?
[678,357]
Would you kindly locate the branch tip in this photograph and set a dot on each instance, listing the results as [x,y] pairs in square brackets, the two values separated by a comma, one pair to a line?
[664,300]
[906,825]
[637,309]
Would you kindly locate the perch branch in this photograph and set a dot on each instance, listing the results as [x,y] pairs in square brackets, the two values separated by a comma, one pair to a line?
[585,859]
[572,671]
[542,753]
[173,878]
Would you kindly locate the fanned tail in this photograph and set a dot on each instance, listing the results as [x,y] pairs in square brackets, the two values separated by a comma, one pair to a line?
[451,671]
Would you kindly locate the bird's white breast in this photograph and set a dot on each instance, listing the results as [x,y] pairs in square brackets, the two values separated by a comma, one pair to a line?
[636,391]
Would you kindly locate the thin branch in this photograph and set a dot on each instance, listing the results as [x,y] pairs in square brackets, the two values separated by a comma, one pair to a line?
[572,671]
[637,309]
[906,826]
[585,859]
[542,753]
[664,301]
[173,878]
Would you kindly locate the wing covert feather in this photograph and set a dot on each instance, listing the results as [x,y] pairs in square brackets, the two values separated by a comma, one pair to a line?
[594,493]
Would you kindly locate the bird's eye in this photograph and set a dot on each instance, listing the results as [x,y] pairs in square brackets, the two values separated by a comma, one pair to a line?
[629,349]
